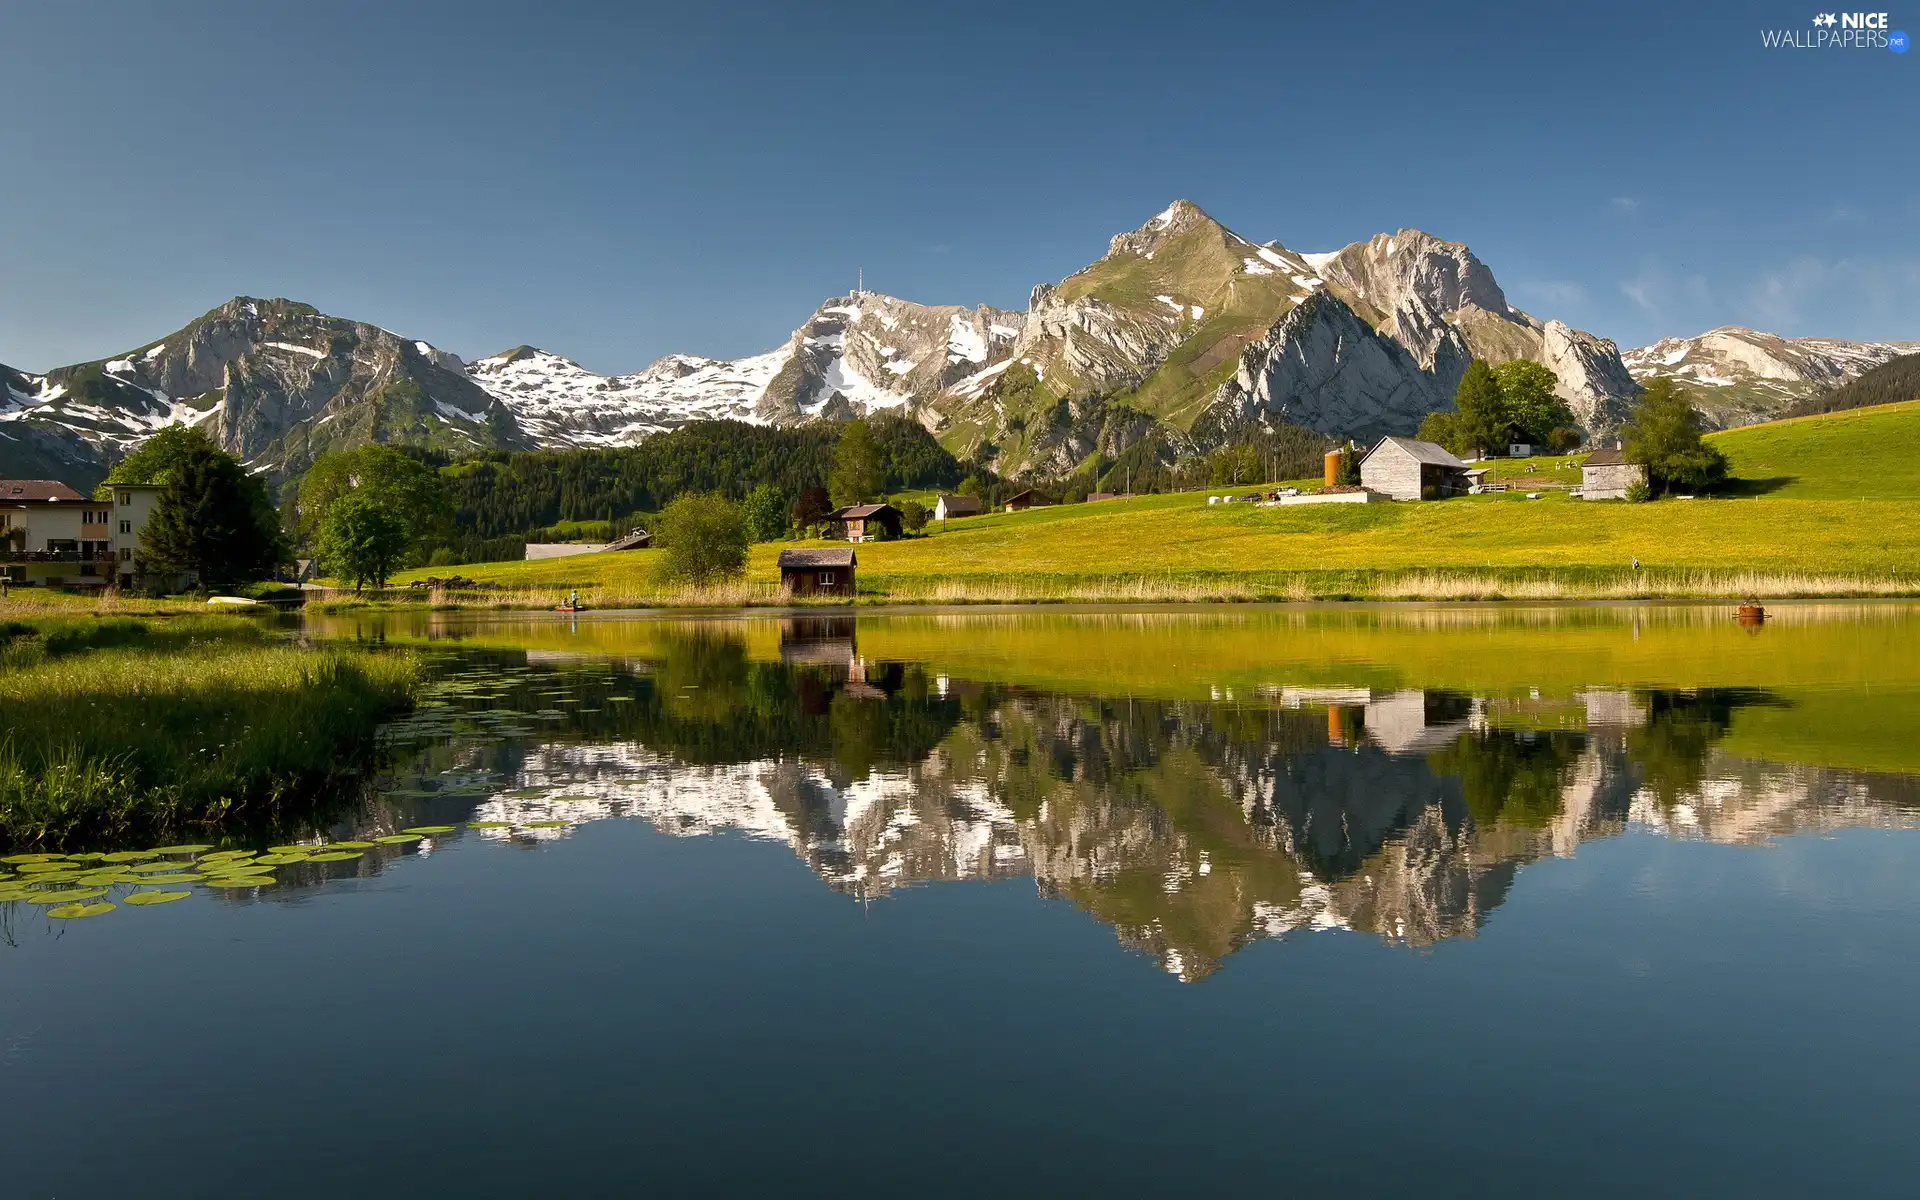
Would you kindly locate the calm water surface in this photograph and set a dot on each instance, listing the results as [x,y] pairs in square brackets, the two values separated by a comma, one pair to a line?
[1311,901]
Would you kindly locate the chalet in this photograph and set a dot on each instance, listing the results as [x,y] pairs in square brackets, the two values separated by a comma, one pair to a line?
[1409,469]
[1606,475]
[867,522]
[1023,501]
[957,506]
[817,572]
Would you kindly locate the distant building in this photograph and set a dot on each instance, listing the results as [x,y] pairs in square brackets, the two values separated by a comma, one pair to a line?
[957,506]
[53,536]
[867,522]
[816,572]
[635,539]
[1093,496]
[1021,501]
[1409,469]
[1606,475]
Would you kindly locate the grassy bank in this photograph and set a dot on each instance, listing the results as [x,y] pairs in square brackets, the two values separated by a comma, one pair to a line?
[1820,506]
[133,730]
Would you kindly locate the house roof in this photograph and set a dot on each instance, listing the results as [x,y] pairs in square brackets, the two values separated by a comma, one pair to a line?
[859,512]
[1426,452]
[1019,496]
[801,560]
[1606,458]
[36,489]
[961,503]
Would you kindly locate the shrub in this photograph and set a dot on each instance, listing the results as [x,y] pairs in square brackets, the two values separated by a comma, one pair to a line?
[1639,492]
[703,541]
[914,515]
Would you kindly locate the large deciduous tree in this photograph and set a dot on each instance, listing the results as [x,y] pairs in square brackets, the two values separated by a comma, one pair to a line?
[765,513]
[364,538]
[1664,435]
[1532,409]
[405,487]
[702,540]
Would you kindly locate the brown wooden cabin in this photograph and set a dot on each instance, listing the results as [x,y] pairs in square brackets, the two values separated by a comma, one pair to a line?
[1022,501]
[868,522]
[817,572]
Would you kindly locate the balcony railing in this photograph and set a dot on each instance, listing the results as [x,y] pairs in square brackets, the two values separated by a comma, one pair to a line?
[10,555]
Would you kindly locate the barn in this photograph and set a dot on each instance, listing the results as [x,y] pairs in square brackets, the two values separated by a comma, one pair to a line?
[817,572]
[1606,475]
[1410,469]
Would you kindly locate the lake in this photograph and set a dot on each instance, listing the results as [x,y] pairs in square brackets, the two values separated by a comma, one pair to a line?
[1576,900]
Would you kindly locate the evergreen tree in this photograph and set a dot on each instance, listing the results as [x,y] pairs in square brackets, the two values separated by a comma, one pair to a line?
[1480,417]
[212,520]
[365,537]
[1664,436]
[856,466]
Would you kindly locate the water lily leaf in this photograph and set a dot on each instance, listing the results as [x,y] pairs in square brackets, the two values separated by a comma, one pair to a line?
[65,895]
[29,858]
[102,878]
[281,860]
[47,868]
[89,856]
[168,880]
[291,849]
[140,899]
[546,825]
[240,881]
[181,849]
[150,867]
[68,912]
[350,846]
[427,830]
[398,839]
[125,856]
[489,824]
[335,856]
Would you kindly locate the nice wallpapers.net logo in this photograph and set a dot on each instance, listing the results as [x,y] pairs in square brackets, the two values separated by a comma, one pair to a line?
[1839,31]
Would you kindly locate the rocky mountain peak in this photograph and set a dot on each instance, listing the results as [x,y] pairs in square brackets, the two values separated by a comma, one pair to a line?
[1177,219]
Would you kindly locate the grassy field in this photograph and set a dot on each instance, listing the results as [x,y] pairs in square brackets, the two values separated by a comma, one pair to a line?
[1820,506]
[136,730]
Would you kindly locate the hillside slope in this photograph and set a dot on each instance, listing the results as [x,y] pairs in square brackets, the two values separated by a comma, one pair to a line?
[1860,454]
[1889,383]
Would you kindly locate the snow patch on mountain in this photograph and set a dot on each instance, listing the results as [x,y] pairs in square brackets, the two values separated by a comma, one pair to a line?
[561,403]
[1743,375]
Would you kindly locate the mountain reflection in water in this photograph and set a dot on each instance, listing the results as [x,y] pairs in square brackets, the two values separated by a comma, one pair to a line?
[1190,826]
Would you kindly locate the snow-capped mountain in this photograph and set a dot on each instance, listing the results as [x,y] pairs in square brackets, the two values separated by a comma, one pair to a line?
[1737,376]
[561,403]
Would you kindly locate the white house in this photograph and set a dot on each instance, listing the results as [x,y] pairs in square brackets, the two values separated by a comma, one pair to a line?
[53,535]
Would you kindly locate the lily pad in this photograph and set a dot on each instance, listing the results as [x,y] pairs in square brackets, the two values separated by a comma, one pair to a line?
[335,856]
[291,849]
[546,825]
[489,824]
[65,895]
[240,881]
[169,880]
[17,859]
[102,878]
[153,867]
[141,899]
[181,849]
[89,856]
[398,839]
[350,846]
[67,912]
[47,868]
[429,830]
[126,856]
[281,860]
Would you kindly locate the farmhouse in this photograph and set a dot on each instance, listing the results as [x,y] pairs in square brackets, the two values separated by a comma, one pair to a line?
[1606,475]
[1408,469]
[957,506]
[868,522]
[817,572]
[1021,501]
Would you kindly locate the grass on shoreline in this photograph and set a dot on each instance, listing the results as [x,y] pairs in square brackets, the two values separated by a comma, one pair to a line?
[118,731]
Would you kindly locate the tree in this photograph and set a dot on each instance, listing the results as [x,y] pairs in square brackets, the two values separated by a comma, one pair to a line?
[365,538]
[1442,429]
[914,515]
[703,539]
[765,513]
[1480,413]
[407,487]
[1664,436]
[213,520]
[157,458]
[811,508]
[1234,465]
[1348,473]
[856,466]
[1527,396]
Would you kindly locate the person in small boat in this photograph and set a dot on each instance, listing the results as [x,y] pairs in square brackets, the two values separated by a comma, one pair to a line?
[573,599]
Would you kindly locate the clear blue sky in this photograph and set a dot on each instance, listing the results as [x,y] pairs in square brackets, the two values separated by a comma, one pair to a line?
[616,181]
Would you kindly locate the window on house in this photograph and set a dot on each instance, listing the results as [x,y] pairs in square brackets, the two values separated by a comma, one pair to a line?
[826,579]
[126,497]
[126,527]
[126,554]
